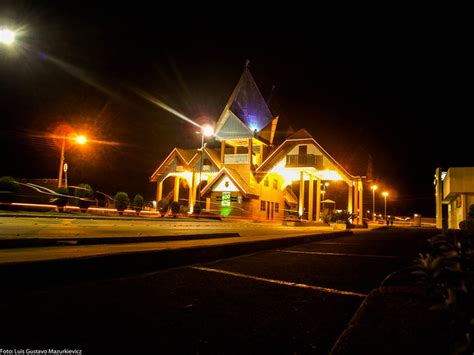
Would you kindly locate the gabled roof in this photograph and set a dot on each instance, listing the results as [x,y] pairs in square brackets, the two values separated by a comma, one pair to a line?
[302,136]
[231,127]
[247,104]
[184,155]
[213,156]
[233,176]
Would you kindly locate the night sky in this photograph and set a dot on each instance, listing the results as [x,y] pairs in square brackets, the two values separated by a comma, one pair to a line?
[395,88]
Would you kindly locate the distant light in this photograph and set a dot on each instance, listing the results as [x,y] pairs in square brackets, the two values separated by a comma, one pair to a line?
[385,193]
[207,130]
[374,187]
[6,36]
[81,139]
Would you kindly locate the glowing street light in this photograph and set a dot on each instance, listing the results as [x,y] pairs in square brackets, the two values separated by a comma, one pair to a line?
[80,139]
[206,131]
[7,36]
[385,194]
[373,187]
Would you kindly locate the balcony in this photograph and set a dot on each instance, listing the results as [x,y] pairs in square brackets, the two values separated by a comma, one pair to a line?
[304,161]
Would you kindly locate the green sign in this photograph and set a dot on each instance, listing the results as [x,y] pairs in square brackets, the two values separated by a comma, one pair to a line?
[225,199]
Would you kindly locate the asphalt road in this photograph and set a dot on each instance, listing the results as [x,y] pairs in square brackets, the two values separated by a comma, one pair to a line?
[294,300]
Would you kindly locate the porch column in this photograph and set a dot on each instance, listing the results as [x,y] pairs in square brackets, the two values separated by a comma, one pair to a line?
[350,193]
[222,152]
[176,189]
[439,199]
[301,199]
[159,191]
[318,200]
[356,202]
[208,203]
[310,197]
[192,194]
[361,201]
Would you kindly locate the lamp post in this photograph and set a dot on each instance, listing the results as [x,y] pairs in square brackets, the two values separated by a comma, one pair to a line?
[78,139]
[206,131]
[373,187]
[326,184]
[385,194]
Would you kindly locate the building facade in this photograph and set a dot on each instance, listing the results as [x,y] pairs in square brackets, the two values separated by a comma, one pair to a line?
[248,174]
[454,189]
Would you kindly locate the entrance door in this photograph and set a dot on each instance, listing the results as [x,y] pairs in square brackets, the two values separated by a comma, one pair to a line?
[273,207]
[268,210]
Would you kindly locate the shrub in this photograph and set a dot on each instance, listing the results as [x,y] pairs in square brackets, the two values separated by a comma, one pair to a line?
[85,194]
[197,208]
[343,216]
[327,216]
[138,203]
[61,201]
[8,189]
[468,224]
[162,206]
[175,207]
[121,201]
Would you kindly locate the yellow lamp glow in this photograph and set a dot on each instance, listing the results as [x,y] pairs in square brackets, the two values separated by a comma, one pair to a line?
[81,139]
[207,130]
[6,36]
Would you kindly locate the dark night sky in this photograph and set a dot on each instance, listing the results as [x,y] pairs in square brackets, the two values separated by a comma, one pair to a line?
[360,86]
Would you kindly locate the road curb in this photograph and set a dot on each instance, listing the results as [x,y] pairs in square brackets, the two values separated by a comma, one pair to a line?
[57,242]
[117,218]
[58,272]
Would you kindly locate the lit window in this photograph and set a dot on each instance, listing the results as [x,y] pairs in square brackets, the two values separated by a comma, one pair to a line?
[262,205]
[275,184]
[265,182]
[277,207]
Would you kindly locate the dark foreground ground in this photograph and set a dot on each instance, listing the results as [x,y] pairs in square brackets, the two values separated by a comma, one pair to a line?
[295,300]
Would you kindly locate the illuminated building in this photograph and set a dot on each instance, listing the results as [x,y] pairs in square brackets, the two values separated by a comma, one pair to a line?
[249,174]
[455,189]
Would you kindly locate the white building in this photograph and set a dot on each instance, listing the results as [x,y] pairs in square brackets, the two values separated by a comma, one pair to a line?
[454,188]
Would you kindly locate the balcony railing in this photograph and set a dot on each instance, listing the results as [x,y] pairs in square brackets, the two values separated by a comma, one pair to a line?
[304,160]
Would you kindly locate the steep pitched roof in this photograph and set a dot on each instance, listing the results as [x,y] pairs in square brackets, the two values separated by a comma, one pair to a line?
[247,104]
[184,155]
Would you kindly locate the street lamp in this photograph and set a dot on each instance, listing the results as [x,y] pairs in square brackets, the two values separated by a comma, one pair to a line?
[326,184]
[385,194]
[7,36]
[373,187]
[206,131]
[80,139]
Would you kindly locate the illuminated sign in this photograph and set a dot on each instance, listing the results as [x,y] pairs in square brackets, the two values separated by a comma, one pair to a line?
[225,199]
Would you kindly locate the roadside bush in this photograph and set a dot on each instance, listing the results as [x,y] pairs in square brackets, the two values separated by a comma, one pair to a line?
[468,224]
[175,207]
[138,203]
[447,270]
[8,189]
[162,206]
[327,216]
[61,201]
[197,209]
[121,201]
[344,217]
[85,194]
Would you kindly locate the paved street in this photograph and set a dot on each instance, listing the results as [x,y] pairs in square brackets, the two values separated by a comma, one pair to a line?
[293,300]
